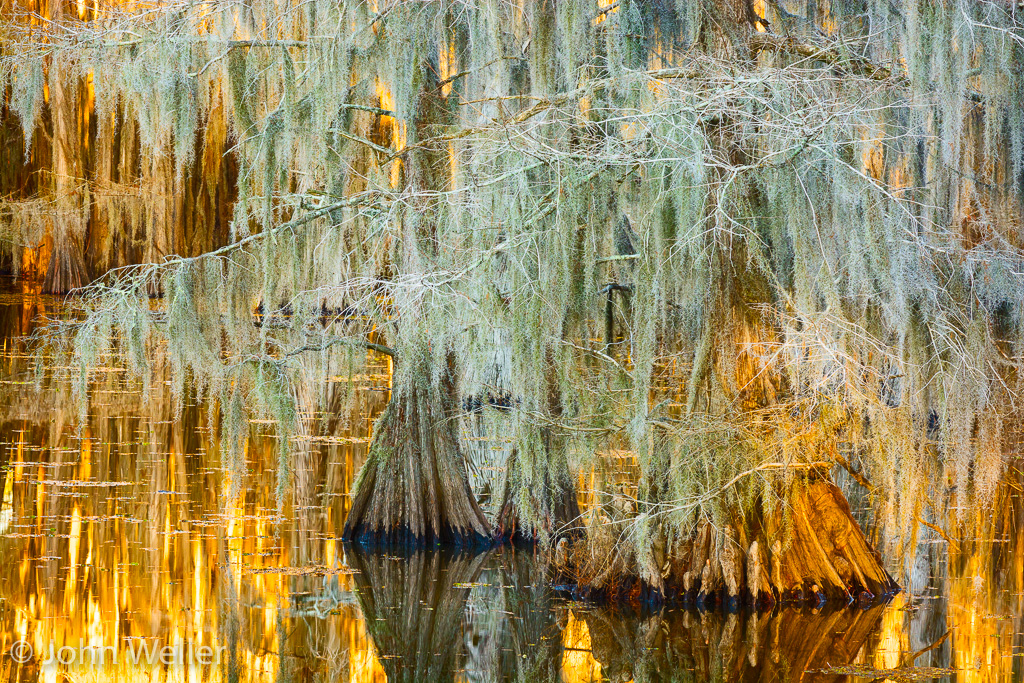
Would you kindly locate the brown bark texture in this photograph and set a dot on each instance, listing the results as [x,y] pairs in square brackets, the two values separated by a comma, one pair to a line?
[553,501]
[810,551]
[414,488]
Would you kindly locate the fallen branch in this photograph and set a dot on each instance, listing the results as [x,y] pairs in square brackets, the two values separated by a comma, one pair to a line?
[863,481]
[907,661]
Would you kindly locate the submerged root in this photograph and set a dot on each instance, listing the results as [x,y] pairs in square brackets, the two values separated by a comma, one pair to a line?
[812,552]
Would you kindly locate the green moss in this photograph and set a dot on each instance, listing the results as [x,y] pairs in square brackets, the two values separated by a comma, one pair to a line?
[830,232]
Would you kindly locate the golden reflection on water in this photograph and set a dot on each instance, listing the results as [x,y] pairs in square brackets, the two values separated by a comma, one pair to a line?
[121,532]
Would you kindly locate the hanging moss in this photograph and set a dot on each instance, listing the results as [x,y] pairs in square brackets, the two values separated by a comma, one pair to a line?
[825,218]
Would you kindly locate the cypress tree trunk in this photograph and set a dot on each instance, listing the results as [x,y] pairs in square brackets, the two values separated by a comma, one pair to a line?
[811,551]
[66,267]
[538,498]
[414,487]
[552,503]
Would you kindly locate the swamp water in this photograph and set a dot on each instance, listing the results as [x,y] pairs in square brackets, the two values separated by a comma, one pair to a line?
[128,553]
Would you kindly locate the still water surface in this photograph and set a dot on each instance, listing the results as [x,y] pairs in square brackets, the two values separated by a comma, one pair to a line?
[128,554]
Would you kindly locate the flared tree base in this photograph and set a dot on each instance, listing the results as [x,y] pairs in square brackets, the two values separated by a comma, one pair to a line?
[413,489]
[544,509]
[810,551]
[66,269]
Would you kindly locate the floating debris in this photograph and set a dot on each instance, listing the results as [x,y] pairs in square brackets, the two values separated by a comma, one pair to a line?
[903,673]
[71,483]
[309,570]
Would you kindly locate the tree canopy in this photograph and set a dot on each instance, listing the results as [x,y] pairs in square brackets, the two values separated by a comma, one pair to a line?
[735,239]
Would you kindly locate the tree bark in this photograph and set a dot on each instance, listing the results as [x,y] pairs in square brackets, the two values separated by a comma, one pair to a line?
[543,505]
[813,551]
[552,500]
[414,487]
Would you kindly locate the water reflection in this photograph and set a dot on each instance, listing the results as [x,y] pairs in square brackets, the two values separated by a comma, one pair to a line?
[120,531]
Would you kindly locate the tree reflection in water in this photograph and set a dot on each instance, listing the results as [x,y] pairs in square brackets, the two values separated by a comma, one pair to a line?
[124,525]
[418,607]
[413,606]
